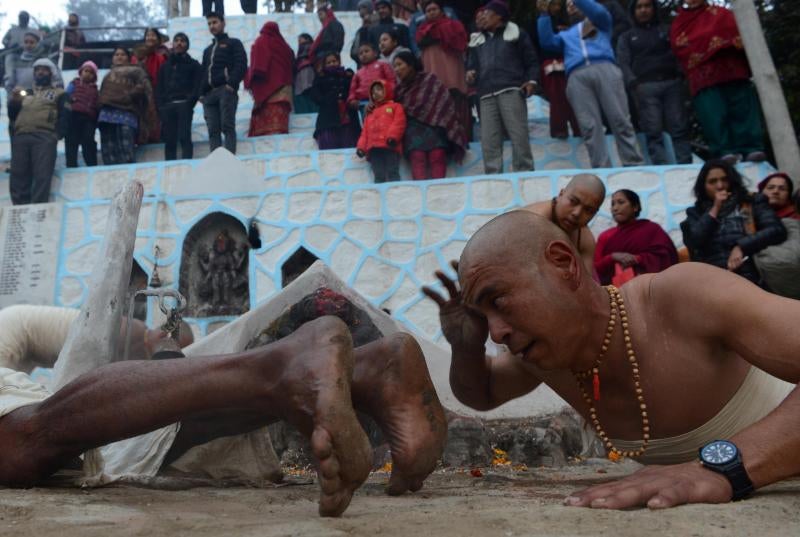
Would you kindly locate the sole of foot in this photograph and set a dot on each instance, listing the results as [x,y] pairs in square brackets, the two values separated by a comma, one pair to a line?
[316,386]
[392,385]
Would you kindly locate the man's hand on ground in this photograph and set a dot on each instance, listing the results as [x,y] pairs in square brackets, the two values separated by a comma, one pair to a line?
[657,487]
[462,327]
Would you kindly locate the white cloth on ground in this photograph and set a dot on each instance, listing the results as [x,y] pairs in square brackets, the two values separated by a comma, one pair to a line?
[32,336]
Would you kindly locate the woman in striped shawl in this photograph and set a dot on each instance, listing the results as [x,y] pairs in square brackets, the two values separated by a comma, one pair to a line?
[433,132]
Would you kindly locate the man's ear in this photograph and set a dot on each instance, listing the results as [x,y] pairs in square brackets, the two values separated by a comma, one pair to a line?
[562,256]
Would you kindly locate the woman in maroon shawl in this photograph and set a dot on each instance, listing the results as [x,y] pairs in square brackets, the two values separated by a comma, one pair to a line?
[269,79]
[707,44]
[151,55]
[635,242]
[443,42]
[433,130]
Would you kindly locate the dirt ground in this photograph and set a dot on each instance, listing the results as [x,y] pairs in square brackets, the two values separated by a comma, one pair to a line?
[501,502]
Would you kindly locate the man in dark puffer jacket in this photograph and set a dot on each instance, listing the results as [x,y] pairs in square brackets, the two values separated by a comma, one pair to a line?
[224,66]
[175,98]
[653,79]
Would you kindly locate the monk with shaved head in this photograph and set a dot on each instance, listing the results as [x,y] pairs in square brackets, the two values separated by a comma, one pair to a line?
[572,209]
[693,368]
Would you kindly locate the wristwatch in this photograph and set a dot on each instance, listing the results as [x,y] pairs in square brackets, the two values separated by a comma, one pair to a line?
[723,457]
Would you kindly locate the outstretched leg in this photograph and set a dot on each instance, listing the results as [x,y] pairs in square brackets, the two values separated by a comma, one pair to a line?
[391,384]
[304,379]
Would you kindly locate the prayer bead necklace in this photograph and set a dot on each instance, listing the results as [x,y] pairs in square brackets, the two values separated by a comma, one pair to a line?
[617,307]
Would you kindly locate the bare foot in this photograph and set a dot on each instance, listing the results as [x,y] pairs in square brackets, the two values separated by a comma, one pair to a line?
[391,383]
[314,396]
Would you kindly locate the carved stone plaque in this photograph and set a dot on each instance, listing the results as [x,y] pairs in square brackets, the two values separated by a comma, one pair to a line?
[29,244]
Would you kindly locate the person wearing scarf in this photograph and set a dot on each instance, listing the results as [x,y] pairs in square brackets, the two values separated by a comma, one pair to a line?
[150,56]
[635,243]
[778,188]
[337,124]
[304,77]
[39,119]
[706,41]
[125,96]
[779,264]
[330,38]
[269,80]
[433,130]
[443,42]
[19,65]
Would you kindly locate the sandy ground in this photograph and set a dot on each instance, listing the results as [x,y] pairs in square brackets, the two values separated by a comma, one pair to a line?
[503,502]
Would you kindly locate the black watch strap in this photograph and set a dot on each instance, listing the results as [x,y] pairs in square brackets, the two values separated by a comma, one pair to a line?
[740,481]
[735,473]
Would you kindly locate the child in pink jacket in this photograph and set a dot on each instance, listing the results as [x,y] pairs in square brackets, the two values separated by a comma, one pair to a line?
[371,70]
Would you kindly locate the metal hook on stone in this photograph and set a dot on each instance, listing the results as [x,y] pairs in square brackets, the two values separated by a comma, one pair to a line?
[167,347]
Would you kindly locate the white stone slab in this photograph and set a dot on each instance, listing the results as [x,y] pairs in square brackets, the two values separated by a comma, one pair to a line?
[31,237]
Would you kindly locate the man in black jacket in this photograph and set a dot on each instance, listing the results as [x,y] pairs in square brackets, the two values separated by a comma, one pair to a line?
[653,79]
[175,98]
[386,23]
[224,66]
[502,63]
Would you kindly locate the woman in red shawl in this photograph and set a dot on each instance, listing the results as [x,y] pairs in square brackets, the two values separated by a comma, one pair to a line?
[269,79]
[151,55]
[433,130]
[443,42]
[635,242]
[706,41]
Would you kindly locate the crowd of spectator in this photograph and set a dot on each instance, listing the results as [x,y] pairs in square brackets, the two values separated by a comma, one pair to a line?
[418,87]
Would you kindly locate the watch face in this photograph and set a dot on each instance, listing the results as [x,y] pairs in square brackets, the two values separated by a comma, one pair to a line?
[718,452]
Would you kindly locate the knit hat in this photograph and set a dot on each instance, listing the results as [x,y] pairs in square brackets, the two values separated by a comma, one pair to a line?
[499,7]
[366,4]
[44,62]
[185,38]
[90,64]
[379,2]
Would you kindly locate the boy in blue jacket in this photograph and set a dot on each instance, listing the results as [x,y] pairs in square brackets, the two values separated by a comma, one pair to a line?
[594,81]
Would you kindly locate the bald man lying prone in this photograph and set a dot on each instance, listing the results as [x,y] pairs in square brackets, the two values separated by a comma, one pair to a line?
[683,357]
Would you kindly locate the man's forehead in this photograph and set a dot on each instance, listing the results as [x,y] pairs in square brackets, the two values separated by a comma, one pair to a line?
[585,194]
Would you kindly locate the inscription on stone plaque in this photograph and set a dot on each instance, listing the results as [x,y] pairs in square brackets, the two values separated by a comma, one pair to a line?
[30,236]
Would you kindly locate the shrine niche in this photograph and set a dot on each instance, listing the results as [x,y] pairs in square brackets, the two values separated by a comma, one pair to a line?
[137,282]
[297,264]
[214,274]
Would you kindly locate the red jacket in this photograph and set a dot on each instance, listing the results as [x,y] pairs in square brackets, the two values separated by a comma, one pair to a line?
[387,121]
[363,79]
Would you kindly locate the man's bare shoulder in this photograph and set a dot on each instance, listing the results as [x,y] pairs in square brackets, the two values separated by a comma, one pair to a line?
[698,294]
[542,208]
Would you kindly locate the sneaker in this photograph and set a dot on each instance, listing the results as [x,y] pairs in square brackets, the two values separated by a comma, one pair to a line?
[756,156]
[731,158]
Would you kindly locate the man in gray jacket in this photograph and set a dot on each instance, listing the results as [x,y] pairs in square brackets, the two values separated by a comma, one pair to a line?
[503,64]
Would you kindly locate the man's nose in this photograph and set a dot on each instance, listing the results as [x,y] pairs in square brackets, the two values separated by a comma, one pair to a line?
[499,330]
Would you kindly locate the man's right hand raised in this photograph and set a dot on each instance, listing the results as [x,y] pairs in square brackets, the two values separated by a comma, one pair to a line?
[463,328]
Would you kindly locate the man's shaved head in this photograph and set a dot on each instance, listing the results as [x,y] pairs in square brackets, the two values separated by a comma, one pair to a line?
[578,202]
[517,237]
[589,182]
